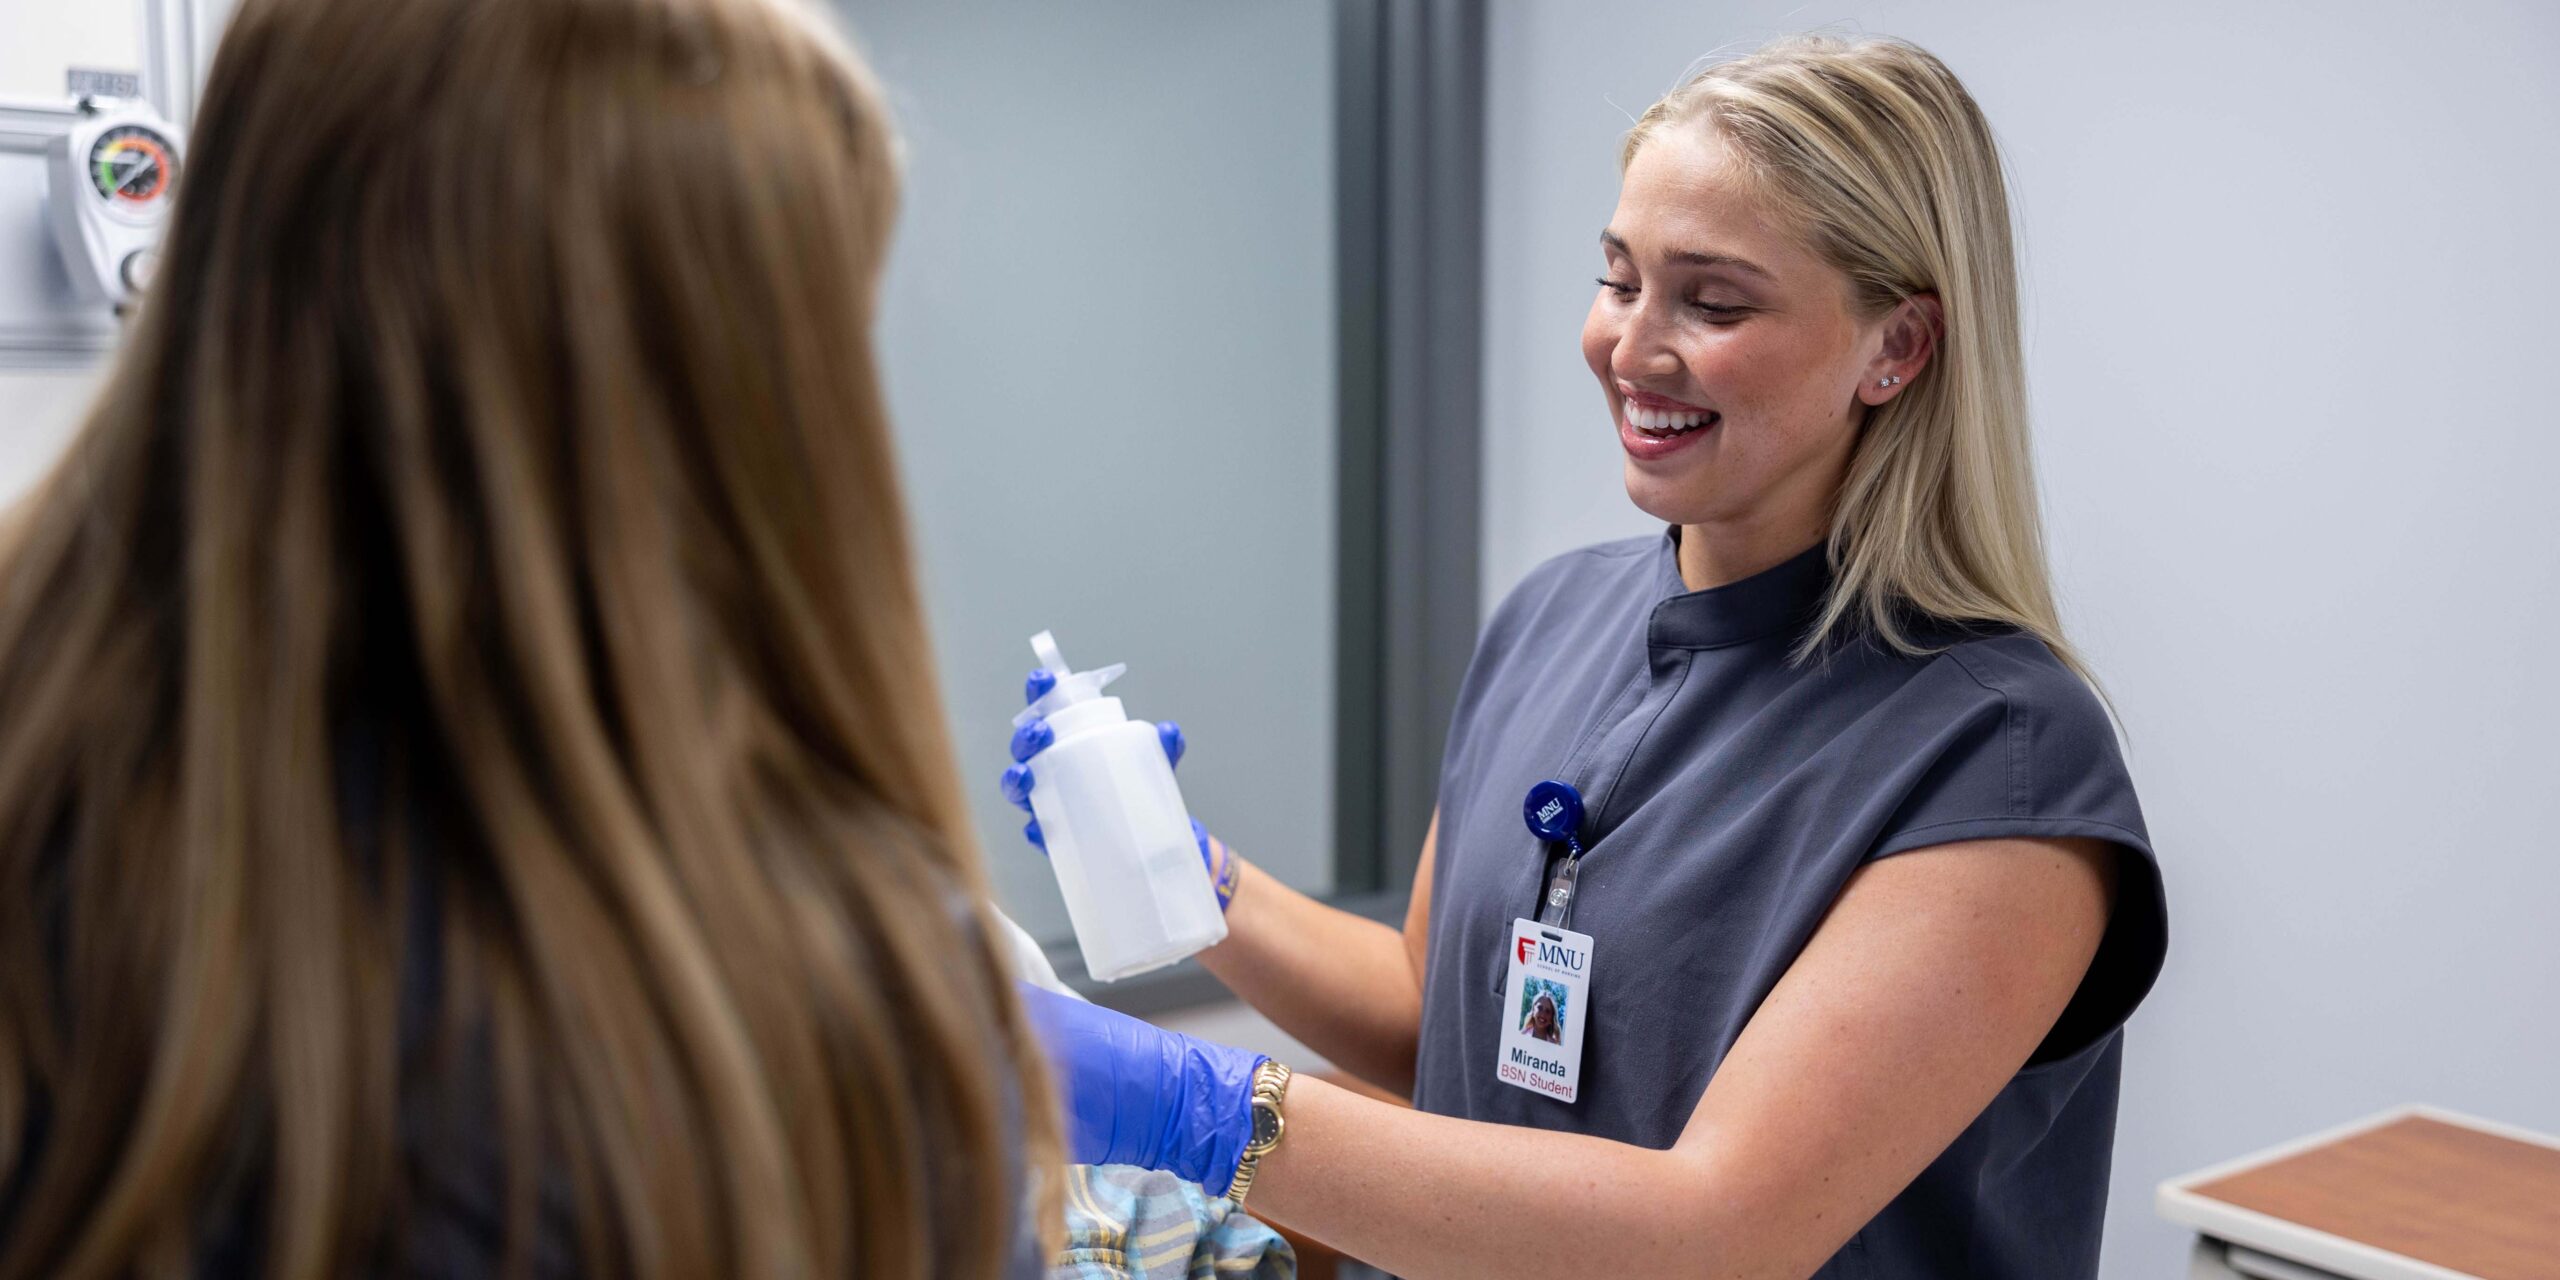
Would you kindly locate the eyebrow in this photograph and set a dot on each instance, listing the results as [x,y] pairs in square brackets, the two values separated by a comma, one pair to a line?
[1693,257]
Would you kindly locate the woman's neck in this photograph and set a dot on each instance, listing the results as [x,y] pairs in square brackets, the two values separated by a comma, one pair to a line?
[1714,555]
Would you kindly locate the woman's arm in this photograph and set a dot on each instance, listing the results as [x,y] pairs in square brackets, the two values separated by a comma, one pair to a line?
[1347,987]
[1929,984]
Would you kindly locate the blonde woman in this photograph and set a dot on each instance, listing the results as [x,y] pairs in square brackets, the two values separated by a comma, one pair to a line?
[472,797]
[1806,801]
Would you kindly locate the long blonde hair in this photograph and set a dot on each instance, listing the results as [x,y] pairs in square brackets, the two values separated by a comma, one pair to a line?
[505,402]
[1879,156]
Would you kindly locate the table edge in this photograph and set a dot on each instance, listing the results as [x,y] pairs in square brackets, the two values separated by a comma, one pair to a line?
[2177,1201]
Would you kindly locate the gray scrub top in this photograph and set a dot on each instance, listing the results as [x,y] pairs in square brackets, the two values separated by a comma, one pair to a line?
[1730,795]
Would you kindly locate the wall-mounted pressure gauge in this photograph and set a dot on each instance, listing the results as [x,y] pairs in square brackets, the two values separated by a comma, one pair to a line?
[113,176]
[134,168]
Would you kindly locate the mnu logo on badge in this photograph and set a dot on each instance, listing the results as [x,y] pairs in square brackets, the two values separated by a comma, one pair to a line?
[1548,953]
[1548,814]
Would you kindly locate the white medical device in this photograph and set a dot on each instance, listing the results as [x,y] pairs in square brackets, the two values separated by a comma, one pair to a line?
[112,178]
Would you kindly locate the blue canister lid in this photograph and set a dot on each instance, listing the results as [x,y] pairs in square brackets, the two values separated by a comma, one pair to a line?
[1553,811]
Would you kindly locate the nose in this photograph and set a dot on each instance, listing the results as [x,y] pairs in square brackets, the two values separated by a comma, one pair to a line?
[1643,350]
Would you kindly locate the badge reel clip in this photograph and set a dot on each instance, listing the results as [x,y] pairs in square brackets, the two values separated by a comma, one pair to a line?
[1554,814]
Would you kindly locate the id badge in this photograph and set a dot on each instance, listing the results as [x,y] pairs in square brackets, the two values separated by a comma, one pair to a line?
[1544,1008]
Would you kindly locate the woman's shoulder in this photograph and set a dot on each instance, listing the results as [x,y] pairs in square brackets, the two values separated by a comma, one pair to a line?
[2001,708]
[1637,547]
[2019,668]
[1620,568]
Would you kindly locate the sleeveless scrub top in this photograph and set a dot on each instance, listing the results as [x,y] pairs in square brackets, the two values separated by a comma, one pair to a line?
[1730,795]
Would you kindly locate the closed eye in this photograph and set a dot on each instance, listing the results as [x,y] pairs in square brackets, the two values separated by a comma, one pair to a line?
[1712,310]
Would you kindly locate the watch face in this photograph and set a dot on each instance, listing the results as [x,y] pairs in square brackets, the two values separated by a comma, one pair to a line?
[1266,1126]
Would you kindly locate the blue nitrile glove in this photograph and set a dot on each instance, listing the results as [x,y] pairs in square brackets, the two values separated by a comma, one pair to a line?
[1135,1093]
[1035,737]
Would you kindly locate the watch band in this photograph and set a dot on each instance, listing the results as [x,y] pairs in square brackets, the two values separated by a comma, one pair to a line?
[1270,1090]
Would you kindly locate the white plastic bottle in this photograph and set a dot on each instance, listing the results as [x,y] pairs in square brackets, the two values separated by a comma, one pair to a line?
[1118,835]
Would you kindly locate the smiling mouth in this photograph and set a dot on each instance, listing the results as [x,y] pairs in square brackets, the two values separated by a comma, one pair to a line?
[1662,424]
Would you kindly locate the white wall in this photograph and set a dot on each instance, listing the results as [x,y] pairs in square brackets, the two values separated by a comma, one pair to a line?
[2289,292]
[46,39]
[37,414]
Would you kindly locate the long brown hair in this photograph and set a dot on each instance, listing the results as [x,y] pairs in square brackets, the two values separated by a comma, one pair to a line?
[500,440]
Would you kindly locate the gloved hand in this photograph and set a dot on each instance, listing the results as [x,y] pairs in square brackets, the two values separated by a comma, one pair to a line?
[1035,737]
[1135,1093]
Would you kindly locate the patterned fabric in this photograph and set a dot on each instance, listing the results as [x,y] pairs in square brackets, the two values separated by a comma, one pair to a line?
[1128,1223]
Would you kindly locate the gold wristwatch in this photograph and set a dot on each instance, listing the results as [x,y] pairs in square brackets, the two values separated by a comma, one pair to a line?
[1270,1087]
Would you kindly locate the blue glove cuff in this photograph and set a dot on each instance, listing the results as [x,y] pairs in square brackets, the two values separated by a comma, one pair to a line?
[1138,1094]
[1205,1145]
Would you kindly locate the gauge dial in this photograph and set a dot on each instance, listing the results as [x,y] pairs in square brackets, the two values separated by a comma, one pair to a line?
[133,167]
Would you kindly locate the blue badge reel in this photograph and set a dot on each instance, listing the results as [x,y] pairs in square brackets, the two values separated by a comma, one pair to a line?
[1553,811]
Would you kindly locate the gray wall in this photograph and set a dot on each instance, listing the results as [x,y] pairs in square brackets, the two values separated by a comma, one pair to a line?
[2289,281]
[1108,334]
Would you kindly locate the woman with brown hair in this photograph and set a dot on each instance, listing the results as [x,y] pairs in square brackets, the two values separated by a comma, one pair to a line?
[471,793]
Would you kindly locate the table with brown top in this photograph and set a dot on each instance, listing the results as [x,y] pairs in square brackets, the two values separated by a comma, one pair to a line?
[2413,1194]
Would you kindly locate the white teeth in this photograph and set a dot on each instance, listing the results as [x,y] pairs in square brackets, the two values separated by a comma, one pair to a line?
[1664,421]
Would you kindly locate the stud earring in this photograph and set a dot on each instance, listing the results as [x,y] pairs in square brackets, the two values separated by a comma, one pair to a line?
[1888,381]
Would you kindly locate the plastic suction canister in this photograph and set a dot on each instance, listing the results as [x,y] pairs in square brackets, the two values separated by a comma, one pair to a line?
[1118,834]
